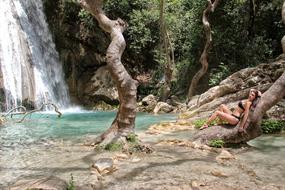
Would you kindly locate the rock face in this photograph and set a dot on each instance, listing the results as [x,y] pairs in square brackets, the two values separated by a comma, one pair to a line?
[148,103]
[162,107]
[102,87]
[236,88]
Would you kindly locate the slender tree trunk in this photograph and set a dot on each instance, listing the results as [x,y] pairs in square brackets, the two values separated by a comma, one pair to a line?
[283,19]
[127,87]
[204,57]
[252,126]
[252,13]
[167,50]
[232,134]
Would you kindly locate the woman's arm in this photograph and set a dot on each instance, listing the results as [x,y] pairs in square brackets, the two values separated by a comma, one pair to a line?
[246,112]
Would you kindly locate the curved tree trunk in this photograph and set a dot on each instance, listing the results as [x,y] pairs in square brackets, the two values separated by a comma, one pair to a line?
[231,134]
[204,57]
[167,50]
[127,87]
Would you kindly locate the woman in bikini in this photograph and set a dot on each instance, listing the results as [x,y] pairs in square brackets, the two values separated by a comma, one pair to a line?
[233,117]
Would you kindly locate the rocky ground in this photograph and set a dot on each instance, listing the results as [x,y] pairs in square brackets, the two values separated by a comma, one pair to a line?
[176,163]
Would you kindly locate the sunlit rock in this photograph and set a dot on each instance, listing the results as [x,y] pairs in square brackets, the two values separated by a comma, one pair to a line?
[48,183]
[104,165]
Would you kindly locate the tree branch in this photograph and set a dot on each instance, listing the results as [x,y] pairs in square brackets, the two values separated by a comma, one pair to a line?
[204,56]
[40,109]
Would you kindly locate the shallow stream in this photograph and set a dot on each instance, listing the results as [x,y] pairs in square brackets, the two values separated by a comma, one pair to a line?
[45,145]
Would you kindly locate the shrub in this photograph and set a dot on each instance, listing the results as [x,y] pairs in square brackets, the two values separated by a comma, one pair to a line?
[217,143]
[131,137]
[71,184]
[199,123]
[272,126]
[113,146]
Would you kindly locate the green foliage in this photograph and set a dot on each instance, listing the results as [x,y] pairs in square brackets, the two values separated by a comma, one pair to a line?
[199,123]
[217,143]
[217,75]
[86,19]
[238,41]
[114,147]
[272,126]
[71,183]
[142,32]
[132,137]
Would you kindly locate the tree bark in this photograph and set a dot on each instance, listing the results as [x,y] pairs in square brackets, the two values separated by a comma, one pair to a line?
[252,14]
[167,50]
[124,122]
[232,134]
[212,4]
[283,19]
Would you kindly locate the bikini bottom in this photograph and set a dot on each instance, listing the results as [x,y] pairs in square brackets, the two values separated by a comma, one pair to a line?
[236,116]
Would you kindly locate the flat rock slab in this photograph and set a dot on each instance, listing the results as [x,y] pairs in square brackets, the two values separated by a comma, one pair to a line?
[47,183]
[104,165]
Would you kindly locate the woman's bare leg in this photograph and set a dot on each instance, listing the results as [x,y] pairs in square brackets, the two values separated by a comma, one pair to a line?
[223,116]
[225,109]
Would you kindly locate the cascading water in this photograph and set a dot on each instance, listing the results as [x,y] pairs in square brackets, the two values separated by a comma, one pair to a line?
[30,66]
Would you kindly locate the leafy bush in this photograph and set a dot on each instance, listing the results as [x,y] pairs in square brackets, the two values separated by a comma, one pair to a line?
[131,138]
[86,19]
[217,75]
[272,126]
[199,123]
[71,183]
[217,143]
[113,146]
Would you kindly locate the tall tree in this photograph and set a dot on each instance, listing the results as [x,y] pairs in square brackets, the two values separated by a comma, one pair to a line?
[283,19]
[127,87]
[212,4]
[252,14]
[252,126]
[167,51]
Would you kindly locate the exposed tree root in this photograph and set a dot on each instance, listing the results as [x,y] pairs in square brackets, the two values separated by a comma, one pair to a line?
[11,112]
[40,109]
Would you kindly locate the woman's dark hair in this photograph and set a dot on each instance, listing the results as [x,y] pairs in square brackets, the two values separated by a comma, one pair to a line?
[256,99]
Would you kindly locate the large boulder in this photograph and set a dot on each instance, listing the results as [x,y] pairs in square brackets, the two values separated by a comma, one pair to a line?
[148,103]
[235,88]
[162,107]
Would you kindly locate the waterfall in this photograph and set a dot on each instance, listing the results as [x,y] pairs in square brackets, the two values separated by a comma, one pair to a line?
[30,67]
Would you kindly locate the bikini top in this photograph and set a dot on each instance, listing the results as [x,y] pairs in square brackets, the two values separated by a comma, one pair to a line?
[240,105]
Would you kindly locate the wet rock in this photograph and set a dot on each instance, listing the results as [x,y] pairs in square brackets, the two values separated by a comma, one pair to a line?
[103,106]
[104,165]
[90,186]
[162,107]
[102,87]
[235,88]
[121,157]
[218,173]
[168,127]
[48,183]
[277,111]
[223,156]
[148,103]
[272,187]
[135,159]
